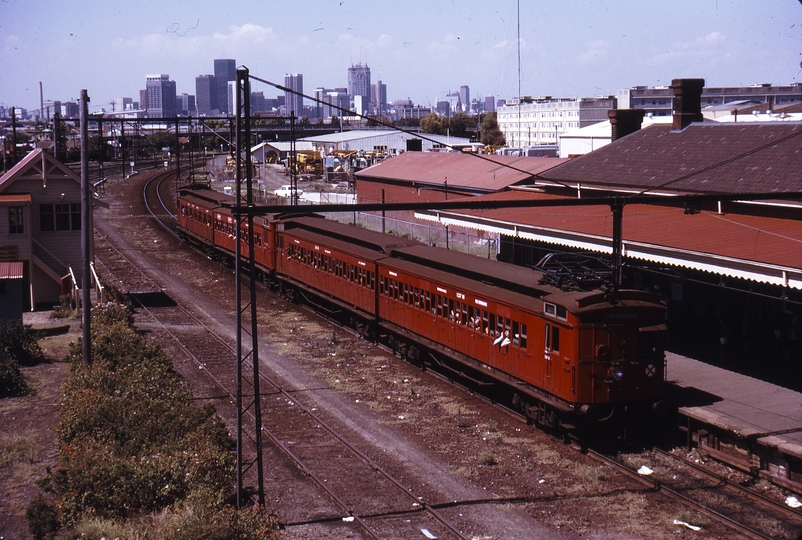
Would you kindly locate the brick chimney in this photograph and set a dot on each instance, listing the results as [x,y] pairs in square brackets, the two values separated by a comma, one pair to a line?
[625,121]
[687,102]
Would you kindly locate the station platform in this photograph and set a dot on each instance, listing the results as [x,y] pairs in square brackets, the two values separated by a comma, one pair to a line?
[759,424]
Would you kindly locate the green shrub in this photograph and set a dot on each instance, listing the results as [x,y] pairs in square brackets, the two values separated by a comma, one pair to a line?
[111,313]
[19,343]
[12,381]
[130,438]
[41,516]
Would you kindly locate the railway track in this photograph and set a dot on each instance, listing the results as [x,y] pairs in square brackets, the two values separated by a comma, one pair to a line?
[370,502]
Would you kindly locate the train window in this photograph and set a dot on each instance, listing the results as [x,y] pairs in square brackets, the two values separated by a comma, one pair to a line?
[555,339]
[523,336]
[428,306]
[485,324]
[464,311]
[491,326]
[547,335]
[554,310]
[439,306]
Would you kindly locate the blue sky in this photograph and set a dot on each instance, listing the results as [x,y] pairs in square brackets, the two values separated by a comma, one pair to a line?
[420,49]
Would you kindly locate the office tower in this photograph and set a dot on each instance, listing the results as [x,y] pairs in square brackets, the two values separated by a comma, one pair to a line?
[206,95]
[225,70]
[465,98]
[359,85]
[257,102]
[121,104]
[293,101]
[185,104]
[378,98]
[490,103]
[160,92]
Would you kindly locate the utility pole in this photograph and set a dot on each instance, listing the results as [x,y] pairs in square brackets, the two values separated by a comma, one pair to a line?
[86,233]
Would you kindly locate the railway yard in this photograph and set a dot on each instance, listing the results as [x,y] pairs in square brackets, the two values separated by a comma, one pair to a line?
[358,443]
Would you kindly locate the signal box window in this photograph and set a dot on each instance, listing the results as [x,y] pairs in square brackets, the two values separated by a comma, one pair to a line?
[16,223]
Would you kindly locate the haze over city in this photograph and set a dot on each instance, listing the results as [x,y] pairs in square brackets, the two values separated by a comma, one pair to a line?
[420,49]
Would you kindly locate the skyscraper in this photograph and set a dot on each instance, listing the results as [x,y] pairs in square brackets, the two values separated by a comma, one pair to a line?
[160,92]
[294,102]
[465,98]
[225,70]
[359,85]
[206,94]
[378,98]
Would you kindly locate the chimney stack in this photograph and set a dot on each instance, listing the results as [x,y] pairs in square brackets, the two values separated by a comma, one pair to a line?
[625,121]
[687,102]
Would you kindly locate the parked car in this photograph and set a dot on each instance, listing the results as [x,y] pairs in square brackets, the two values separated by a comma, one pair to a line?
[286,191]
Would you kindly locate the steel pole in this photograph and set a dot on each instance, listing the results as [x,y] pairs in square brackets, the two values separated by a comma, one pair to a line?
[86,233]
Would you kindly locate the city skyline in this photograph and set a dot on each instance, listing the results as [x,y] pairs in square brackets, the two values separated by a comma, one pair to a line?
[581,49]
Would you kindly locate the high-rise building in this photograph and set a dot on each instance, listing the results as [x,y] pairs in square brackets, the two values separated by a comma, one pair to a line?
[206,95]
[185,104]
[378,98]
[294,101]
[359,85]
[225,70]
[465,98]
[490,103]
[338,97]
[160,96]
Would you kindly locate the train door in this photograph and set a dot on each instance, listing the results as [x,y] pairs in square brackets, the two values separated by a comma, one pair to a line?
[551,355]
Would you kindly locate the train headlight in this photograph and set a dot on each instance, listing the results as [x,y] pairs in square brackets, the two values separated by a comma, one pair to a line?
[616,373]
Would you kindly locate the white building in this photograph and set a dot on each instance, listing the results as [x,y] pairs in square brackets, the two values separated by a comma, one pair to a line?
[387,142]
[536,121]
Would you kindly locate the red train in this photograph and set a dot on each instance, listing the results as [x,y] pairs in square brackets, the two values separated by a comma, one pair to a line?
[561,357]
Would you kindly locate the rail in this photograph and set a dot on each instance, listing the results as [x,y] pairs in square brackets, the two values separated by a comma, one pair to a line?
[75,291]
[98,285]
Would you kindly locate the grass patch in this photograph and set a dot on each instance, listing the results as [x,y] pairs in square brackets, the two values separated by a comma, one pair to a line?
[487,458]
[18,448]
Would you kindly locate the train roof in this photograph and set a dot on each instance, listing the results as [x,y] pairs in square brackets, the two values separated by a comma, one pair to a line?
[360,252]
[482,289]
[207,197]
[372,240]
[496,273]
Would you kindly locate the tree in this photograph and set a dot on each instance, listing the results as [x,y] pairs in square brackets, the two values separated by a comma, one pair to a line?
[491,134]
[435,124]
[408,122]
[462,125]
[378,121]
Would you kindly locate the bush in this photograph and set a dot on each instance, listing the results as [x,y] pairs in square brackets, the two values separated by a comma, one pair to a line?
[41,516]
[131,441]
[12,381]
[19,343]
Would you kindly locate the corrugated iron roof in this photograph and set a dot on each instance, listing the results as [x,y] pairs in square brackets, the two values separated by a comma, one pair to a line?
[702,158]
[728,243]
[10,270]
[487,172]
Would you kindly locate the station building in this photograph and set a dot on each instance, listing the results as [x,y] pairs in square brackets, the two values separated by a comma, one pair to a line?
[729,270]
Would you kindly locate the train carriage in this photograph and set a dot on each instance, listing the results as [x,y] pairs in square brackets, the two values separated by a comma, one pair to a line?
[557,354]
[342,272]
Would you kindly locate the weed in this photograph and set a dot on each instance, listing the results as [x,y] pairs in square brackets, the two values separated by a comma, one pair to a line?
[487,458]
[16,448]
